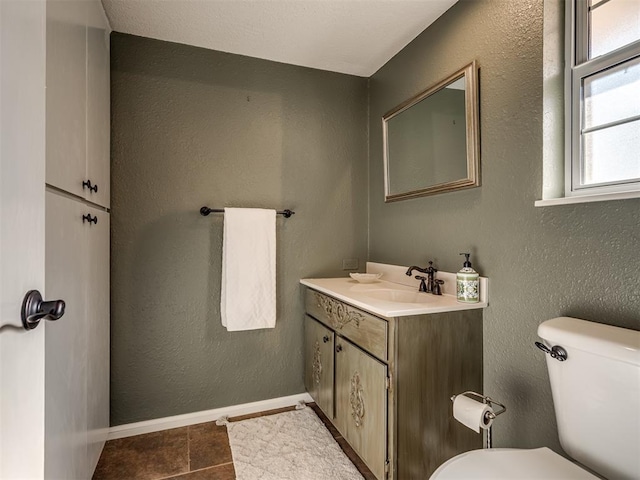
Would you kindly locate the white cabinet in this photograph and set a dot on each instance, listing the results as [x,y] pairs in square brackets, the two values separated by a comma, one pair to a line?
[77,236]
[78,106]
[66,143]
[77,345]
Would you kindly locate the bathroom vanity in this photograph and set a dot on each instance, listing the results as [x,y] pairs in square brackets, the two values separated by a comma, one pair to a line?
[382,361]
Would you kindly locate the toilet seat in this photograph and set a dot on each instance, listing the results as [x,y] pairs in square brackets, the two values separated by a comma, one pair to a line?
[510,464]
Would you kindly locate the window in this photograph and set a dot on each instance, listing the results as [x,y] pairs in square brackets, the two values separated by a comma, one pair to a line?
[602,97]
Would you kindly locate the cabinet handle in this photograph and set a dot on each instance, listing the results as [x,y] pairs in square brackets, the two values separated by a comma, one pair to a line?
[35,309]
[92,188]
[89,218]
[338,348]
[326,338]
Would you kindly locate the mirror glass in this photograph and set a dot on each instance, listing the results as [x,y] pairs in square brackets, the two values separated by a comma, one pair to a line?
[430,141]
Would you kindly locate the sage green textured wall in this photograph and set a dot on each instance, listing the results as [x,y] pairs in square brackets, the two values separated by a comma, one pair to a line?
[193,127]
[575,260]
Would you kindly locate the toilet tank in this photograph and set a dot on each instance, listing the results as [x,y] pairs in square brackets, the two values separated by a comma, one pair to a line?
[596,394]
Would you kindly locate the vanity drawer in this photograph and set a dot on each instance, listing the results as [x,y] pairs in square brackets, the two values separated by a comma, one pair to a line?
[362,328]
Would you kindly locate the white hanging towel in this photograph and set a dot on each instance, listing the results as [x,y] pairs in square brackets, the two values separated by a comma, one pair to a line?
[248,290]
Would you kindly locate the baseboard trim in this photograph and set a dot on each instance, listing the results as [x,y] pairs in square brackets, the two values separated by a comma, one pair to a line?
[158,424]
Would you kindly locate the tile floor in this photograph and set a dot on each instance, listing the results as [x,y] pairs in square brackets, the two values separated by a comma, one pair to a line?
[196,452]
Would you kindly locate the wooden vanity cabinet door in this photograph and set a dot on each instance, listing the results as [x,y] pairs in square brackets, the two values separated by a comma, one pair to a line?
[361,404]
[318,365]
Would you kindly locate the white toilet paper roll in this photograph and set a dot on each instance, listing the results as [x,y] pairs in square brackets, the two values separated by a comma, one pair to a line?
[471,414]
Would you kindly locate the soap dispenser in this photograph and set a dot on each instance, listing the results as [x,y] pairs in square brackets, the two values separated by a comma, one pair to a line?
[468,283]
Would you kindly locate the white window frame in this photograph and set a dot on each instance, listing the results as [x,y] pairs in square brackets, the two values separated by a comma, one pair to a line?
[577,68]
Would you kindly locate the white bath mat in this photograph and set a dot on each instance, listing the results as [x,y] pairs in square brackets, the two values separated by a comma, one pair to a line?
[293,445]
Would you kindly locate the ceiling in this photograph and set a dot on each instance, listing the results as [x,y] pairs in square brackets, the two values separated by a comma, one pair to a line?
[347,36]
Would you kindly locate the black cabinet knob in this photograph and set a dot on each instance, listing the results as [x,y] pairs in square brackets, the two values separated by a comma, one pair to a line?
[90,219]
[92,188]
[338,348]
[326,338]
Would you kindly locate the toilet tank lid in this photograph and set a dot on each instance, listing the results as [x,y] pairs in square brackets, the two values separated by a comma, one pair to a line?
[617,343]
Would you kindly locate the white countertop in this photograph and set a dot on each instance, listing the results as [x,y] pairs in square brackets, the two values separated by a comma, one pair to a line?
[357,294]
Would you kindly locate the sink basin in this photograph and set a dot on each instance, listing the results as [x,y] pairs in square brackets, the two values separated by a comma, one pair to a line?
[398,296]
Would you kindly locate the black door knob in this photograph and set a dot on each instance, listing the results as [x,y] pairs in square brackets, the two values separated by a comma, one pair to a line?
[35,309]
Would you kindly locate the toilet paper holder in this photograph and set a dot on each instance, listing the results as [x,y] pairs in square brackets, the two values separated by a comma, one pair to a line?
[491,415]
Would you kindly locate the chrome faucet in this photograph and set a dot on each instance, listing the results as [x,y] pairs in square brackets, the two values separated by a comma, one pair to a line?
[432,285]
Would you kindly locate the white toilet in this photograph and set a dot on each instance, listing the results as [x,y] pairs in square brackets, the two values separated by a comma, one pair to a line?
[596,394]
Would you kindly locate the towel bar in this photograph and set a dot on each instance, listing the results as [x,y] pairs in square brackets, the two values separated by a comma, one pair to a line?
[204,211]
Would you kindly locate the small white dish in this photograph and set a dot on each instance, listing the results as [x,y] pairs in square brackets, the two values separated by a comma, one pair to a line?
[365,277]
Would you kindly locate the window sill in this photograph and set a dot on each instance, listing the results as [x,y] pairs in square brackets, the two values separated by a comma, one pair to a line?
[586,198]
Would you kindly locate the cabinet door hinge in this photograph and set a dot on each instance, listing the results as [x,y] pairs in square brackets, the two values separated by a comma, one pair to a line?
[386,468]
[387,383]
